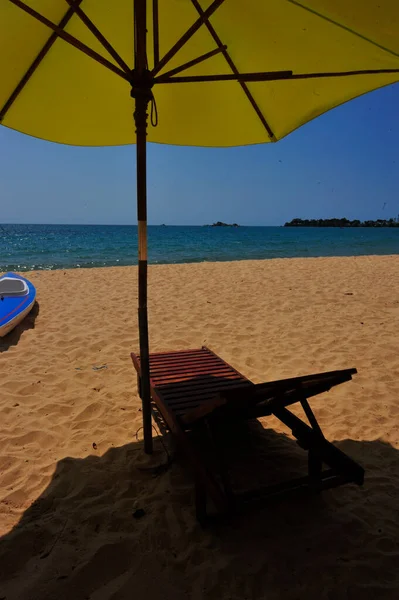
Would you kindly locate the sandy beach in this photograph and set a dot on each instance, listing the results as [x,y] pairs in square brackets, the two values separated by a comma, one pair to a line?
[71,444]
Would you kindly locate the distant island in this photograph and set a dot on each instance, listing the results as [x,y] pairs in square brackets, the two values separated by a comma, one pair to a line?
[221,224]
[342,223]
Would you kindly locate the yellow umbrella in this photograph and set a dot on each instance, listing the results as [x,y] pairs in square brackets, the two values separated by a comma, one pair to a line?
[212,73]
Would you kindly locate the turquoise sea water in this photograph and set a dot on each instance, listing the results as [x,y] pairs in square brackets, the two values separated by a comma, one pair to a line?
[28,247]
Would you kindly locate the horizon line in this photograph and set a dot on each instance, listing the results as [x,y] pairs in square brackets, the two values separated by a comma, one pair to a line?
[133,224]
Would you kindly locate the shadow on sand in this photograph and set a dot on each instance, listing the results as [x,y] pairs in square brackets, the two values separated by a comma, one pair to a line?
[79,540]
[13,337]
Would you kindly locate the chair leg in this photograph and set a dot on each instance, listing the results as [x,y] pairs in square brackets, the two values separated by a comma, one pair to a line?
[315,464]
[311,440]
[139,385]
[310,415]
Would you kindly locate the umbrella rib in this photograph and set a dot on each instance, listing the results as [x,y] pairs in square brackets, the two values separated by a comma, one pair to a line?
[71,39]
[40,56]
[191,63]
[187,36]
[342,26]
[97,33]
[240,77]
[272,76]
[234,69]
[344,73]
[155,31]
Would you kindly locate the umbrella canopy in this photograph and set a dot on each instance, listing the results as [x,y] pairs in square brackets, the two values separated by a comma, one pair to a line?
[73,99]
[212,72]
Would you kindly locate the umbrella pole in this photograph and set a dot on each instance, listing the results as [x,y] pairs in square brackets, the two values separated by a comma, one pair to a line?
[141,92]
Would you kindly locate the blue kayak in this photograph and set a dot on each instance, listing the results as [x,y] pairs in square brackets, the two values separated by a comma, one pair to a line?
[17,297]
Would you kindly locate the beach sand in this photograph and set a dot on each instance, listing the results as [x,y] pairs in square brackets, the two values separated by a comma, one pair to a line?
[71,445]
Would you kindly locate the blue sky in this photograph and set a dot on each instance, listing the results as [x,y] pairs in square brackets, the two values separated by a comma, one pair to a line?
[345,163]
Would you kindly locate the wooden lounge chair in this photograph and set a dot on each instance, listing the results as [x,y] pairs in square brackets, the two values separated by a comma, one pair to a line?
[196,392]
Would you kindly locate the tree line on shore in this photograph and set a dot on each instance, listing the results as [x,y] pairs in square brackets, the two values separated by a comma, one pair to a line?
[342,223]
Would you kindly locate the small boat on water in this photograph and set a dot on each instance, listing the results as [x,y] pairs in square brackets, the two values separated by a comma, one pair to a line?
[17,297]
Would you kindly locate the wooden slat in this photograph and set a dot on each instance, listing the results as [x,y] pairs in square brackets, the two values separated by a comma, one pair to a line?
[201,390]
[185,363]
[181,364]
[182,358]
[173,387]
[189,400]
[187,358]
[187,404]
[190,386]
[202,365]
[169,378]
[177,376]
[190,380]
[176,353]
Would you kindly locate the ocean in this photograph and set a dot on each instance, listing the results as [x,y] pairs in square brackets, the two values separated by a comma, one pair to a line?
[31,247]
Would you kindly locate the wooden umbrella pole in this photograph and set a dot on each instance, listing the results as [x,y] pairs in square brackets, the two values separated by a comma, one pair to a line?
[141,92]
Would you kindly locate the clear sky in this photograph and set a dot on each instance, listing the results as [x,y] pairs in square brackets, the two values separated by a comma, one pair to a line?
[343,164]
